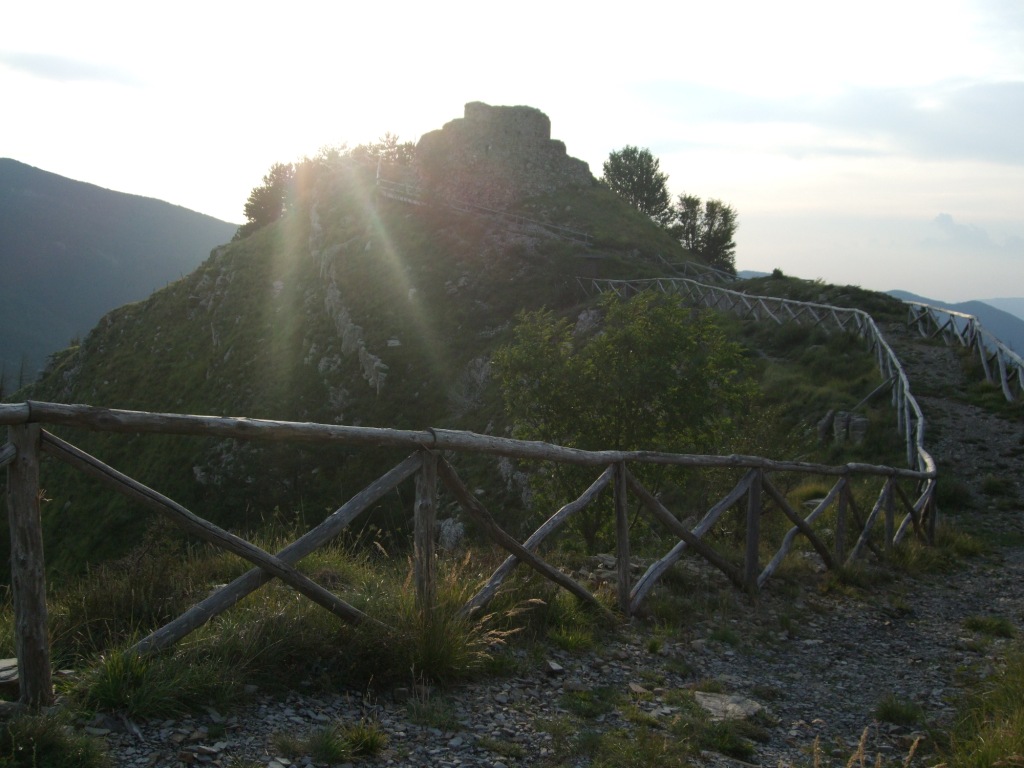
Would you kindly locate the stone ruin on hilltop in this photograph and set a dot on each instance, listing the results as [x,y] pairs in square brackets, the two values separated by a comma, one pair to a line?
[495,156]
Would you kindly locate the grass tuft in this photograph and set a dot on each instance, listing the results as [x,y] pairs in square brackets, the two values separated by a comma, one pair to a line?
[899,711]
[47,741]
[153,686]
[990,731]
[335,743]
[993,626]
[431,711]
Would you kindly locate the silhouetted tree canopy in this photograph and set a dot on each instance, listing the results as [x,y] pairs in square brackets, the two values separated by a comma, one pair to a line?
[287,184]
[268,201]
[707,230]
[634,175]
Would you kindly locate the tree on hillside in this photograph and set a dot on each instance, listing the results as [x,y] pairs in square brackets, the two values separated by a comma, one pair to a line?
[388,149]
[706,229]
[634,175]
[648,374]
[268,201]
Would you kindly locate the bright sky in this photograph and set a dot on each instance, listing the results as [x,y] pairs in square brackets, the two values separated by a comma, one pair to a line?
[876,143]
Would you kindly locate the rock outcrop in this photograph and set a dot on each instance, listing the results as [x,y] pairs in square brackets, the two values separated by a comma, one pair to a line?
[495,156]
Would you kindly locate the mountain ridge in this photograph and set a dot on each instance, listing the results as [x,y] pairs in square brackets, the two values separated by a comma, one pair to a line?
[1012,304]
[70,251]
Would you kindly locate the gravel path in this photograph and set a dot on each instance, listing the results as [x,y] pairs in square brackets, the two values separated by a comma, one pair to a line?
[818,662]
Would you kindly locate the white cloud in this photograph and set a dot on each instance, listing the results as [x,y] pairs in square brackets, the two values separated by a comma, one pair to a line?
[64,69]
[970,239]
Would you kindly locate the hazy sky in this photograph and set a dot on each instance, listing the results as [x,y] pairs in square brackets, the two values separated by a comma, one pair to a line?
[877,143]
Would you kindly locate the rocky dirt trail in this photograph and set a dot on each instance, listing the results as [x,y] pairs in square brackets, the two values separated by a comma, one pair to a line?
[817,662]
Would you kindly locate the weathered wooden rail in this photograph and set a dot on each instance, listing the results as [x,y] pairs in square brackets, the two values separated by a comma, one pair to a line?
[753,495]
[696,271]
[1000,363]
[909,419]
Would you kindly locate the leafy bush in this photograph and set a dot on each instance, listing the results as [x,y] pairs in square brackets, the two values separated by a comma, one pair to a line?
[650,375]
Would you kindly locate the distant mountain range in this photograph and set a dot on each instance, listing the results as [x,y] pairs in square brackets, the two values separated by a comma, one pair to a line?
[70,252]
[1015,306]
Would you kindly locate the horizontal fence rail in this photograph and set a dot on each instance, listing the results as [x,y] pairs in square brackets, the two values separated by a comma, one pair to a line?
[910,420]
[1000,363]
[702,272]
[432,450]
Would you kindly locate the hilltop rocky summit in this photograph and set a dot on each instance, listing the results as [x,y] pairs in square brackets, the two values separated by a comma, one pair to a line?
[497,156]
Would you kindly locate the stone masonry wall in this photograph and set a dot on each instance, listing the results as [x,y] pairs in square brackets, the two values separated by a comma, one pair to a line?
[495,156]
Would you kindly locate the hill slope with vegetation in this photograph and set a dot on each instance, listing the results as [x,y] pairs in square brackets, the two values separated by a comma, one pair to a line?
[350,309]
[357,309]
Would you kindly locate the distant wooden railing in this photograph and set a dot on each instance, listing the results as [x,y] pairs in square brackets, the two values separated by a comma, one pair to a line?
[997,360]
[909,419]
[754,494]
[696,271]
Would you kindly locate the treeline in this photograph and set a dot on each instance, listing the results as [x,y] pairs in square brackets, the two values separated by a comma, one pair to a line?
[286,185]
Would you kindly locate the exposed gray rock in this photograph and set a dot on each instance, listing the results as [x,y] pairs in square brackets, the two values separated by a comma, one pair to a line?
[727,706]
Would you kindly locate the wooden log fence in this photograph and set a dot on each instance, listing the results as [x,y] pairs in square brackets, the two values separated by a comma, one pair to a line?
[753,496]
[1001,365]
[696,271]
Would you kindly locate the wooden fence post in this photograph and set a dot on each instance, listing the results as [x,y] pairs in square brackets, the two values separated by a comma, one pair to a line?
[840,535]
[423,543]
[622,536]
[751,567]
[932,509]
[890,514]
[28,569]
